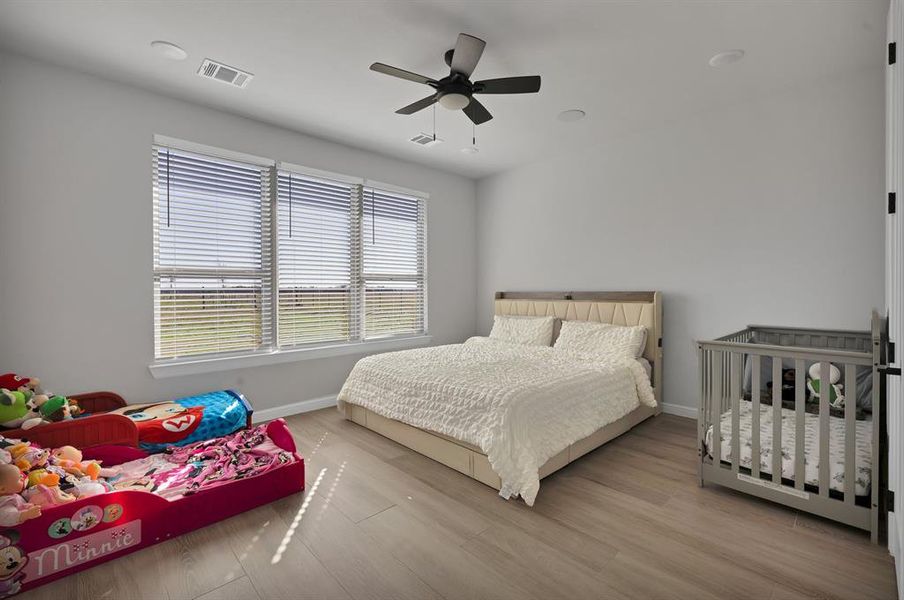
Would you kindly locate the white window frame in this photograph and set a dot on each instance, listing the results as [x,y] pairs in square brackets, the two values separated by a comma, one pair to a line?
[272,354]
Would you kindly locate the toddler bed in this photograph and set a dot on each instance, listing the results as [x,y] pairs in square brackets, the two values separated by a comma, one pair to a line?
[151,426]
[794,416]
[152,499]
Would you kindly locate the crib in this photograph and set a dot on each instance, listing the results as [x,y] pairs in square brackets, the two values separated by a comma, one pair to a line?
[769,426]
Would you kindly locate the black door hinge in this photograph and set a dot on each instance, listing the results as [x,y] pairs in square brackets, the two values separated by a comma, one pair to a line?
[890,371]
[891,352]
[892,203]
[890,500]
[892,53]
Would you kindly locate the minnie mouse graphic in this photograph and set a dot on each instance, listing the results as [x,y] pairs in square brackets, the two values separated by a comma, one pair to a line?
[12,560]
[164,422]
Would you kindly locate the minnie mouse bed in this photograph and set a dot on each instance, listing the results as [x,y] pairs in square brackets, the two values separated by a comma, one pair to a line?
[74,513]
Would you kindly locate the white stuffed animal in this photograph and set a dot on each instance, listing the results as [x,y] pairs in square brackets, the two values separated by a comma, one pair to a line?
[836,397]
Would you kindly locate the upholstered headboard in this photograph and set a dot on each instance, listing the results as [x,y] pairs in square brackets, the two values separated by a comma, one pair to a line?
[618,308]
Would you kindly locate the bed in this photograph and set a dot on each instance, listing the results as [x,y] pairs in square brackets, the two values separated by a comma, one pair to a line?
[483,409]
[148,504]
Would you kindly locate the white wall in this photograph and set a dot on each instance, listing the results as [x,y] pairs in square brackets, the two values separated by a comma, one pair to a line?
[75,234]
[767,212]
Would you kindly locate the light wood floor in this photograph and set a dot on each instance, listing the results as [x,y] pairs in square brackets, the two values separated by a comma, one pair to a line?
[380,521]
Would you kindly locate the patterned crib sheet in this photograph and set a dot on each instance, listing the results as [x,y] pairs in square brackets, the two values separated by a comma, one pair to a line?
[863,445]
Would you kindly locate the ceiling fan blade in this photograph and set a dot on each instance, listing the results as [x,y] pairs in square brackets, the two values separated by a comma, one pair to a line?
[416,106]
[400,73]
[466,54]
[477,112]
[508,85]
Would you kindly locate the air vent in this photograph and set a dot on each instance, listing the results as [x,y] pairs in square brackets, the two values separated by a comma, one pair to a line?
[426,140]
[211,69]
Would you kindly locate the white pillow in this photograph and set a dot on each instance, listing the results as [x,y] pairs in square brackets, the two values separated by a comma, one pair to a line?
[590,340]
[533,331]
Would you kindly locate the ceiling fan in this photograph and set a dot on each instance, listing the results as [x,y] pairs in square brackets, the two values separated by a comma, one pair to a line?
[456,90]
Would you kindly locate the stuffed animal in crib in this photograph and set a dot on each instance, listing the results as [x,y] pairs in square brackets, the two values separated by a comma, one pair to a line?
[14,509]
[787,385]
[814,385]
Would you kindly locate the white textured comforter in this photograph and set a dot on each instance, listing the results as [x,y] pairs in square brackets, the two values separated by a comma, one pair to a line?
[519,404]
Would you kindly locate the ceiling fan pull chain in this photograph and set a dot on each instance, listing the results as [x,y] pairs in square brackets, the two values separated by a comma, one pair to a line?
[434,122]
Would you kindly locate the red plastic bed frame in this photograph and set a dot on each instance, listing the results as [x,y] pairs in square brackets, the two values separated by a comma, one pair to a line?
[94,428]
[84,432]
[118,523]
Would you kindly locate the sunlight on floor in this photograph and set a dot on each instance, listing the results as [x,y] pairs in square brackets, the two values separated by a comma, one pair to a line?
[297,520]
[318,444]
[253,541]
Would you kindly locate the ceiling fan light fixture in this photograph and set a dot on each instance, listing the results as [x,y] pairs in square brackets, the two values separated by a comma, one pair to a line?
[454,101]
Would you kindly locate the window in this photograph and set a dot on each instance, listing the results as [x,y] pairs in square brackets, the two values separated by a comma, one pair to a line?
[211,262]
[341,260]
[393,254]
[317,260]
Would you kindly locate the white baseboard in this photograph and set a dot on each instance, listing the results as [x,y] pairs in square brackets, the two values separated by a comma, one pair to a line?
[680,410]
[894,542]
[285,410]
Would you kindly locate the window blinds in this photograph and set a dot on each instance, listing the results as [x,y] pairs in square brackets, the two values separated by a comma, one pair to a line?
[318,260]
[338,261]
[394,263]
[211,255]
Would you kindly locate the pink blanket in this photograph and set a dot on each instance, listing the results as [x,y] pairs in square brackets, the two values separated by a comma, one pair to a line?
[182,471]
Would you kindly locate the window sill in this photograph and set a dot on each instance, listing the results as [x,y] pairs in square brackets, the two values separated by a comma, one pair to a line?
[178,368]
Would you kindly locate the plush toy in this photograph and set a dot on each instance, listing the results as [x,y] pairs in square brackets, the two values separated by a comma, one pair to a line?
[50,410]
[41,477]
[14,509]
[69,459]
[814,385]
[14,408]
[58,408]
[45,495]
[28,457]
[14,382]
[787,385]
[86,488]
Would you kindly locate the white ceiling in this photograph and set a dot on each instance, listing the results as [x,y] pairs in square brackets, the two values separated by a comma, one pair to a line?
[629,65]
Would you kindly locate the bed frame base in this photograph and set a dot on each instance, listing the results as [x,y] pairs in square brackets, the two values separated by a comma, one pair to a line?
[470,460]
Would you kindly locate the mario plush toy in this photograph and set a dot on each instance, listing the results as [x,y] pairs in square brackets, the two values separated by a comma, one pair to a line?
[13,382]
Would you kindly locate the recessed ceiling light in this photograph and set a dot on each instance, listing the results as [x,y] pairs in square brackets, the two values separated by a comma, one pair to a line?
[726,58]
[571,115]
[169,50]
[470,150]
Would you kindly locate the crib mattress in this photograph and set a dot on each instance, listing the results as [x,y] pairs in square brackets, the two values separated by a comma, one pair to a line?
[863,445]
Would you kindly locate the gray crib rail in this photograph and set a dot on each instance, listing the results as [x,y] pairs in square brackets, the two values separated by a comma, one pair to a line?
[722,363]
